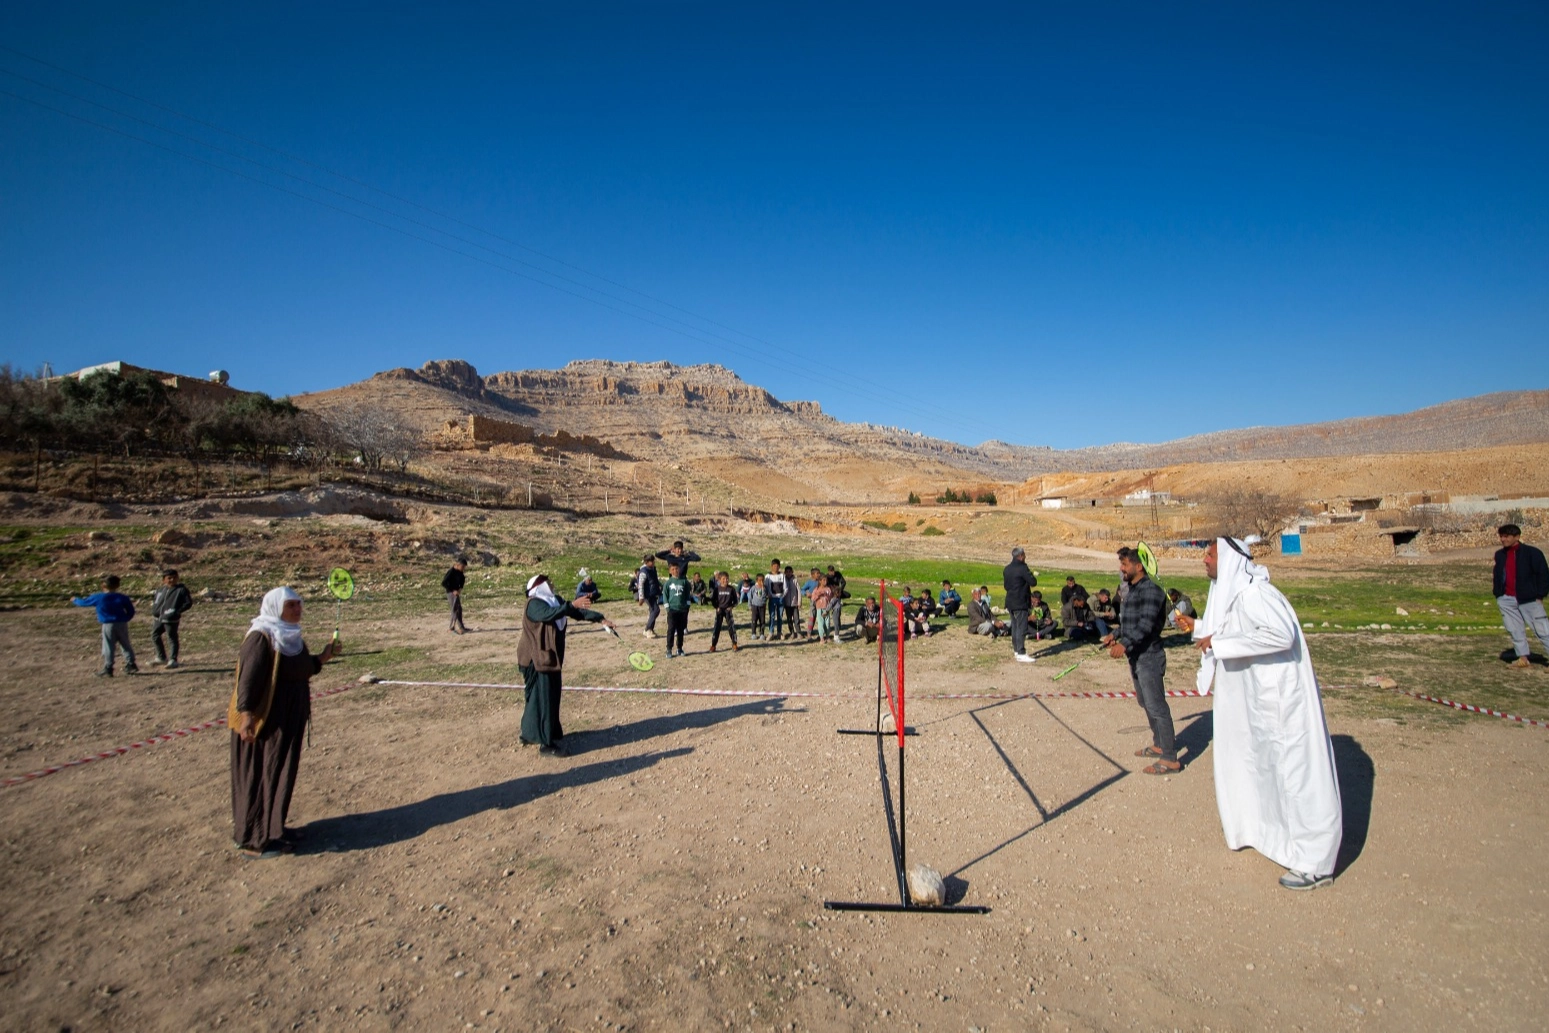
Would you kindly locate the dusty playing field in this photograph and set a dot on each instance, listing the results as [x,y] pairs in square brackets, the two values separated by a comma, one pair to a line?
[671,872]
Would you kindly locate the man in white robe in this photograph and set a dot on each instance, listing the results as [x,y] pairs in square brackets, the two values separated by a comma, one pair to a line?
[1274,763]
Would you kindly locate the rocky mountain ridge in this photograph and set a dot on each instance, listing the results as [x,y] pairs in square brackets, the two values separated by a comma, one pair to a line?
[662,411]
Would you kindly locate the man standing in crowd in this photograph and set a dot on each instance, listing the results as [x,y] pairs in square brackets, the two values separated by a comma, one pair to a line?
[648,589]
[677,554]
[1521,582]
[1140,639]
[452,584]
[725,598]
[168,605]
[1019,583]
[1274,766]
[774,585]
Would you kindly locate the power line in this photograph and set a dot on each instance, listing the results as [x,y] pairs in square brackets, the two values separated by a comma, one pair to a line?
[860,385]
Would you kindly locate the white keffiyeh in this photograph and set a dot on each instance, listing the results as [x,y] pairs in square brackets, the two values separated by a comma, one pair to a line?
[1234,572]
[283,635]
[545,591]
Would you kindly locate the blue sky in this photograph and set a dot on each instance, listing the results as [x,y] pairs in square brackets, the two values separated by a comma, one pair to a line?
[1052,224]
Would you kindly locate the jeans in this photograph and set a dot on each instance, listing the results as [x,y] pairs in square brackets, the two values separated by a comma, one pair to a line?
[455,603]
[1019,631]
[775,608]
[653,608]
[1146,671]
[169,628]
[1518,617]
[116,633]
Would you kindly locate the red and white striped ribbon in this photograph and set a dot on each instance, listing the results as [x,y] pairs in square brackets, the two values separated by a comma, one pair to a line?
[119,751]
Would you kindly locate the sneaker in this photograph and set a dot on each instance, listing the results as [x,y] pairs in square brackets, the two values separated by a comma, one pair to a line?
[735,647]
[131,669]
[1522,661]
[648,633]
[173,665]
[1023,658]
[106,672]
[552,751]
[712,649]
[1303,881]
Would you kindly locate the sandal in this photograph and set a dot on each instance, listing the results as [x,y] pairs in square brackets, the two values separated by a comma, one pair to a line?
[1163,767]
[1149,751]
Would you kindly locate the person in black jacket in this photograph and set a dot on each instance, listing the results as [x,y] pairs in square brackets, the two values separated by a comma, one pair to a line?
[1019,583]
[648,593]
[1521,582]
[1140,639]
[724,596]
[452,584]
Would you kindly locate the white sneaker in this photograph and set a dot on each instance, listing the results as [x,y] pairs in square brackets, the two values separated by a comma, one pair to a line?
[1023,658]
[172,665]
[1305,881]
[648,633]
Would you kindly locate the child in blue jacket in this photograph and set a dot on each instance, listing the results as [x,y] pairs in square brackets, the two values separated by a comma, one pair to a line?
[114,612]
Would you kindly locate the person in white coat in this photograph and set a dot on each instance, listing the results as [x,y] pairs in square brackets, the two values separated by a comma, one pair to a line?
[1274,762]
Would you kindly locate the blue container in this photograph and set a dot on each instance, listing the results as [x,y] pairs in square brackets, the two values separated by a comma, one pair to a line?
[1290,545]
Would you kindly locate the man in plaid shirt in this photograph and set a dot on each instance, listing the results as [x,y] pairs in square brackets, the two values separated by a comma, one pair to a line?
[1139,637]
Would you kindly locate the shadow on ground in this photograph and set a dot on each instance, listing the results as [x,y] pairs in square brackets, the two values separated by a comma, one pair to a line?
[1357,775]
[371,829]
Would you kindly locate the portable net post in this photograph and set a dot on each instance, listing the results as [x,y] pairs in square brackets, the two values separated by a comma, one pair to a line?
[890,685]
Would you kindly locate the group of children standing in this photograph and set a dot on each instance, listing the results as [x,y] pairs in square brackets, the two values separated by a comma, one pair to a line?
[774,600]
[115,610]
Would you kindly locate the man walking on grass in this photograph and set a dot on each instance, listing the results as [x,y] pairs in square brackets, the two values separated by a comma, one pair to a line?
[1521,582]
[1019,583]
[1140,639]
[1274,762]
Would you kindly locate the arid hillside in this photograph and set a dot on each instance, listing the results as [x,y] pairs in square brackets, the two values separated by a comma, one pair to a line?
[737,440]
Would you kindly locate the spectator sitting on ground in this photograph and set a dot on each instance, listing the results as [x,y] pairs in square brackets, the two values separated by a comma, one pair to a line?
[984,597]
[949,601]
[1105,612]
[745,589]
[869,619]
[1182,606]
[927,604]
[697,591]
[915,620]
[1040,621]
[587,586]
[1078,620]
[1071,590]
[980,620]
[906,598]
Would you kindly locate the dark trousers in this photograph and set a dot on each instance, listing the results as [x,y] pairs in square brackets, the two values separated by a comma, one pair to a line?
[1146,671]
[677,626]
[653,609]
[169,628]
[730,617]
[1019,631]
[540,715]
[756,620]
[792,618]
[455,602]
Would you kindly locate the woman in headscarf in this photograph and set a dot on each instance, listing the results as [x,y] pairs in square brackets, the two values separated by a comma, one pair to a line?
[541,656]
[268,717]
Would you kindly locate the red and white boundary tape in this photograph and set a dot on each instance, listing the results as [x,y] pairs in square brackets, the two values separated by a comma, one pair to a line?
[183,733]
[119,751]
[1473,709]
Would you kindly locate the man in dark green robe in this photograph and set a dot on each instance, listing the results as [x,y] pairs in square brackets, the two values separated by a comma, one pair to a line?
[541,656]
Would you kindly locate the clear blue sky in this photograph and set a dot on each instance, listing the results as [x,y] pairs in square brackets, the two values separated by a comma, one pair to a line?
[1059,224]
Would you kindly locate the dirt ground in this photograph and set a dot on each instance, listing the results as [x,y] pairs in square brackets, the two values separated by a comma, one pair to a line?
[670,873]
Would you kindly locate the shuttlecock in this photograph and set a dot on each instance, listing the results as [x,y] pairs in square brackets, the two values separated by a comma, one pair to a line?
[926,887]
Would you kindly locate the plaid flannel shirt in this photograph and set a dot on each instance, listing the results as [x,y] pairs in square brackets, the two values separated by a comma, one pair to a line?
[1143,616]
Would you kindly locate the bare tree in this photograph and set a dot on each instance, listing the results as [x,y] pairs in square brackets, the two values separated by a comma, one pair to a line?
[374,436]
[1249,510]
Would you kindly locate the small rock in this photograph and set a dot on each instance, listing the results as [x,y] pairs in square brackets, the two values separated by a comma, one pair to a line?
[169,536]
[1250,966]
[1401,611]
[99,536]
[368,679]
[926,886]
[1379,681]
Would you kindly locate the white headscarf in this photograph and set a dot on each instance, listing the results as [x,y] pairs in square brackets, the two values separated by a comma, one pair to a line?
[285,636]
[545,591]
[1234,572]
